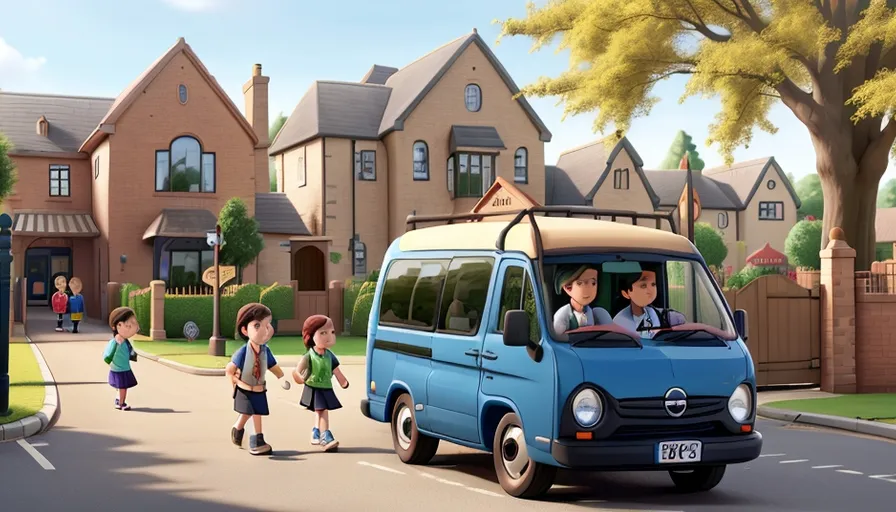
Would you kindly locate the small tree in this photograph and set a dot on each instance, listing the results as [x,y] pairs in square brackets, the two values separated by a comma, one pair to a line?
[8,175]
[802,244]
[274,130]
[710,244]
[242,242]
[886,198]
[808,189]
[680,145]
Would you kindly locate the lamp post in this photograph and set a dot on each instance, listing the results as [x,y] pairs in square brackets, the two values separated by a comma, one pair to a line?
[216,342]
[5,274]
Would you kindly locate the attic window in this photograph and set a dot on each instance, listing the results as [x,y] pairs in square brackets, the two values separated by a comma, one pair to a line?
[771,184]
[43,126]
[182,94]
[473,97]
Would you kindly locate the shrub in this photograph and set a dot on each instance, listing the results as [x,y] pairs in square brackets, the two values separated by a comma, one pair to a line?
[126,290]
[361,311]
[746,275]
[141,302]
[349,296]
[231,304]
[280,299]
[710,244]
[180,309]
[803,244]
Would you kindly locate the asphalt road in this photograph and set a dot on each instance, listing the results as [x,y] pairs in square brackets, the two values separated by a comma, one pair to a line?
[172,452]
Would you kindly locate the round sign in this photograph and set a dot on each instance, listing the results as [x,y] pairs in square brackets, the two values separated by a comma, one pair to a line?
[191,331]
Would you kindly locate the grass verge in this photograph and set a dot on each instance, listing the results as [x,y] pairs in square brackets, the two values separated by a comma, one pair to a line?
[873,406]
[26,385]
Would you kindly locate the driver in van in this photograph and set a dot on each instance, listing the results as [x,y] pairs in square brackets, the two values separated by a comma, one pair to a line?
[640,291]
[579,282]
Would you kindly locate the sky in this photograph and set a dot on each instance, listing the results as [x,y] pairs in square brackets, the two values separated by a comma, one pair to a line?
[98,47]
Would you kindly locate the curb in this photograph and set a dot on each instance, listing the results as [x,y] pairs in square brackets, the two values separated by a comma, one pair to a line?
[46,416]
[873,428]
[219,372]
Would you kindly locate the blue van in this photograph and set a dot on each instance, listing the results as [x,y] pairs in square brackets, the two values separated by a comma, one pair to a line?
[462,348]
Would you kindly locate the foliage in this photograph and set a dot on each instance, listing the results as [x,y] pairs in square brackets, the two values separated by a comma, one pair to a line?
[280,300]
[886,198]
[349,297]
[808,189]
[242,242]
[374,276]
[276,126]
[681,144]
[8,174]
[802,244]
[361,310]
[710,244]
[883,252]
[125,291]
[746,275]
[141,302]
[335,257]
[179,309]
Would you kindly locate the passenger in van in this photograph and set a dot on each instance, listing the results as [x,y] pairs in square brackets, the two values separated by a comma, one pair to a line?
[640,291]
[579,282]
[462,316]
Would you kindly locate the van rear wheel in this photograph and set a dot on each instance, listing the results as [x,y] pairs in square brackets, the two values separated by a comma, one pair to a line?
[519,475]
[411,446]
[698,480]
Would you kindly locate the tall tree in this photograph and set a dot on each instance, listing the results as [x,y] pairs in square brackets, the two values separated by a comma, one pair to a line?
[276,126]
[681,144]
[811,196]
[829,61]
[8,174]
[887,196]
[242,242]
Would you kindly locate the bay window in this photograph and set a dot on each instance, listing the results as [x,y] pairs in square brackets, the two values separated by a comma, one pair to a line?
[470,174]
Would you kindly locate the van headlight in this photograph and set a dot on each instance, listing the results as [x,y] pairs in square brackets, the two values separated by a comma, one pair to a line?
[740,405]
[587,408]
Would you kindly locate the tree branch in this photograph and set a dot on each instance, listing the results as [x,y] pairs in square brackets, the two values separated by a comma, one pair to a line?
[878,151]
[800,103]
[752,18]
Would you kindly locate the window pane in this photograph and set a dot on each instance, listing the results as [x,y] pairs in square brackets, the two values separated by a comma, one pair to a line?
[208,172]
[463,178]
[63,188]
[208,260]
[511,294]
[531,310]
[185,165]
[450,174]
[420,161]
[474,164]
[473,97]
[54,188]
[779,211]
[368,163]
[162,167]
[411,292]
[54,174]
[466,291]
[487,176]
[63,174]
[185,268]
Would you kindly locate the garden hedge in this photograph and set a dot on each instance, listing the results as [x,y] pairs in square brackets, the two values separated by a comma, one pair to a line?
[280,299]
[125,292]
[349,297]
[748,274]
[140,303]
[361,311]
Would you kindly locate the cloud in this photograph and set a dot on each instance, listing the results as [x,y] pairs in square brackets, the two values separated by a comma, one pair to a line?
[13,63]
[196,5]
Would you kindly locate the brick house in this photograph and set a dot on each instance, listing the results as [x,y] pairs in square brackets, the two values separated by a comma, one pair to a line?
[431,137]
[124,189]
[750,203]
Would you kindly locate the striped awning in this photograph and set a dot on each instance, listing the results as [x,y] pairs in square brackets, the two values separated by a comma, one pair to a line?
[54,224]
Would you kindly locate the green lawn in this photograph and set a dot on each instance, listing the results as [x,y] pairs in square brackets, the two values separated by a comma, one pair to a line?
[195,353]
[26,387]
[880,406]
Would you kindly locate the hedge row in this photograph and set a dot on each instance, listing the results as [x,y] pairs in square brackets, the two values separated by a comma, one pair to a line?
[139,302]
[180,309]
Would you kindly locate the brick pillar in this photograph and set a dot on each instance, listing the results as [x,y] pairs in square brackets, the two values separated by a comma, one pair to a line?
[838,327]
[157,310]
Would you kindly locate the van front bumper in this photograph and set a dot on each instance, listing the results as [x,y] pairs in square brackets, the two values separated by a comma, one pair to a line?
[641,455]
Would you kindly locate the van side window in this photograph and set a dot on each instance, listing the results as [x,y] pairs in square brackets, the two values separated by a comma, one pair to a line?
[517,293]
[411,293]
[465,295]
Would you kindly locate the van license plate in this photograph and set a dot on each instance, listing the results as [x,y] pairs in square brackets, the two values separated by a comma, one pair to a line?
[679,452]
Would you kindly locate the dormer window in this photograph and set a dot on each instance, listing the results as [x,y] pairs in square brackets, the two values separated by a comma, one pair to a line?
[43,126]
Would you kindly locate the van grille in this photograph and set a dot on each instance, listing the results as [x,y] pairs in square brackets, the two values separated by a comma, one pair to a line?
[630,432]
[652,408]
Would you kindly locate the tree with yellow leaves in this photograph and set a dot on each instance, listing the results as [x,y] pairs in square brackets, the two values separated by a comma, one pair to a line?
[829,61]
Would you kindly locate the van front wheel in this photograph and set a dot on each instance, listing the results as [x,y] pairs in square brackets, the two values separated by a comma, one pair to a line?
[519,475]
[698,480]
[411,446]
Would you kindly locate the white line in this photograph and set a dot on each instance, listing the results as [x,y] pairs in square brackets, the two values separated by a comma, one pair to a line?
[39,444]
[885,478]
[793,461]
[381,468]
[483,491]
[36,455]
[441,480]
[849,472]
[828,467]
[773,454]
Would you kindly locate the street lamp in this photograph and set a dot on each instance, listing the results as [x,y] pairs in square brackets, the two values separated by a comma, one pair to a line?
[216,343]
[5,275]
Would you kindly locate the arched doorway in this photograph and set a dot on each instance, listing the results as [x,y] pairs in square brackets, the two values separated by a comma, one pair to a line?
[309,269]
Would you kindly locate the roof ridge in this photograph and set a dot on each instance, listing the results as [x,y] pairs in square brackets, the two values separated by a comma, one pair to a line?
[736,165]
[583,146]
[418,59]
[48,95]
[359,84]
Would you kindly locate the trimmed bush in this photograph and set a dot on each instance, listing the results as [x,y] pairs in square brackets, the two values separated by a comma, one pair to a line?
[180,309]
[803,244]
[231,304]
[361,311]
[125,291]
[710,244]
[141,304]
[746,275]
[280,299]
[349,296]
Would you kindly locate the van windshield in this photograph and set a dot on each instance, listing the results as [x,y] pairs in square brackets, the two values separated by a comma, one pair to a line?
[611,298]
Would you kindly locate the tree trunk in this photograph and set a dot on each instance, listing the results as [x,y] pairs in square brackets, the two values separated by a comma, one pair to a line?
[850,196]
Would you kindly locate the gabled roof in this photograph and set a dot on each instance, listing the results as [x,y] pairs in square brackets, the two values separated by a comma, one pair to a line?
[70,119]
[132,92]
[744,178]
[714,195]
[275,213]
[378,74]
[582,170]
[333,109]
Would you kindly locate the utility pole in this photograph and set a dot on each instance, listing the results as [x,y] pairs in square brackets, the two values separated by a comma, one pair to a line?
[5,276]
[216,342]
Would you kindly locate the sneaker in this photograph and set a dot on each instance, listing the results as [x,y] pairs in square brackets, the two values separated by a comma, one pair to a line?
[257,446]
[125,407]
[59,329]
[117,405]
[237,436]
[327,442]
[315,436]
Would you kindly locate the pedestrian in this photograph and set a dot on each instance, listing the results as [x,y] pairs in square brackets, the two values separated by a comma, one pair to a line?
[76,303]
[119,354]
[247,370]
[59,301]
[316,370]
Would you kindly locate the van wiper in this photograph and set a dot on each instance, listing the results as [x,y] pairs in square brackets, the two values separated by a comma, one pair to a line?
[687,333]
[595,335]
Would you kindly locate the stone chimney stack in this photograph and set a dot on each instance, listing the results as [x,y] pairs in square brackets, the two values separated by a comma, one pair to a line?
[255,92]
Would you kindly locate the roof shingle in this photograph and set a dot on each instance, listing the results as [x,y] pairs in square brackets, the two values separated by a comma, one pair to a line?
[276,214]
[71,119]
[714,195]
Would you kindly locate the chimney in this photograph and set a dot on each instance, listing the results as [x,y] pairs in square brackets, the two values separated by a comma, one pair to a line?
[255,92]
[43,126]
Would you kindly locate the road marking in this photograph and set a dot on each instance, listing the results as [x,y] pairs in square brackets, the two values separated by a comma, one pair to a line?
[828,467]
[441,480]
[381,468]
[885,478]
[39,444]
[773,454]
[36,455]
[793,461]
[849,472]
[483,491]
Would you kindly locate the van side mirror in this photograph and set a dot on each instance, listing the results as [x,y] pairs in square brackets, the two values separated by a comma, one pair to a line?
[516,328]
[741,324]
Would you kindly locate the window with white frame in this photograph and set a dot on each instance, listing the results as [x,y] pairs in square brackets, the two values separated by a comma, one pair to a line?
[473,97]
[521,166]
[473,173]
[421,161]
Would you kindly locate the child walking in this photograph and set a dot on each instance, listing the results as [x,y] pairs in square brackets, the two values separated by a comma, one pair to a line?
[119,354]
[316,370]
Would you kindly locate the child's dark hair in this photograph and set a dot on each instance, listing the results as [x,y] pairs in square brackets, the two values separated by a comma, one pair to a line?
[627,281]
[251,312]
[119,315]
[313,324]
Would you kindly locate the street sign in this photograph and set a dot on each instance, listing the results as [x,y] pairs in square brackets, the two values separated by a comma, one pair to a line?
[227,274]
[191,330]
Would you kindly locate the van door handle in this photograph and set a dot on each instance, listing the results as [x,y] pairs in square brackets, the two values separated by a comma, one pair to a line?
[472,352]
[491,356]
